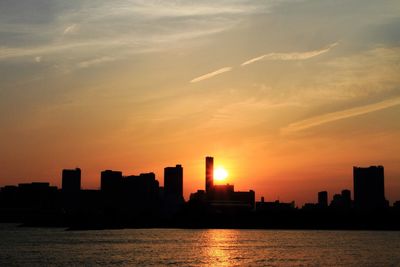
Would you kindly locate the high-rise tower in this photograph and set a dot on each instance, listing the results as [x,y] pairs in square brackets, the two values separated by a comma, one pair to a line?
[209,173]
[71,180]
[369,187]
[173,182]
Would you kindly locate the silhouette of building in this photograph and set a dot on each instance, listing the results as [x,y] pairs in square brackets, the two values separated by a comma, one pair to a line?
[173,189]
[337,202]
[346,199]
[209,173]
[311,206]
[323,199]
[223,188]
[199,197]
[37,195]
[224,196]
[111,181]
[173,182]
[36,187]
[369,188]
[139,201]
[342,201]
[220,198]
[71,180]
[274,206]
[140,192]
[142,187]
[9,189]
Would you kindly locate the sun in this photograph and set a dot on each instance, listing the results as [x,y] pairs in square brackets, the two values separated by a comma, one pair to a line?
[220,174]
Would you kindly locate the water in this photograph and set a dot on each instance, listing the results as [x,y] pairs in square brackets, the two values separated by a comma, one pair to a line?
[160,247]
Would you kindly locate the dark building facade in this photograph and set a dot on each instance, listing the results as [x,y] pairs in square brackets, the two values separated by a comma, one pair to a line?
[346,198]
[37,195]
[342,201]
[111,181]
[323,199]
[275,206]
[173,182]
[209,173]
[142,187]
[140,192]
[224,196]
[369,188]
[71,180]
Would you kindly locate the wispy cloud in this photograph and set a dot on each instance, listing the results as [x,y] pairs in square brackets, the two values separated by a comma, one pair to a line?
[70,29]
[339,115]
[184,8]
[56,48]
[211,74]
[96,61]
[290,56]
[135,22]
[271,56]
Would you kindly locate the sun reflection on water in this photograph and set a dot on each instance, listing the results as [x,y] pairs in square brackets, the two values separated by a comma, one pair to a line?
[220,247]
[197,248]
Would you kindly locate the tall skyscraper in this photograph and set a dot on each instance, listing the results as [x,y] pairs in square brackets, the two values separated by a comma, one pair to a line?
[71,180]
[209,173]
[369,188]
[173,181]
[323,199]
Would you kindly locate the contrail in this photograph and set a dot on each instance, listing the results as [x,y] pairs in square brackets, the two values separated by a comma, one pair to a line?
[211,74]
[339,115]
[290,56]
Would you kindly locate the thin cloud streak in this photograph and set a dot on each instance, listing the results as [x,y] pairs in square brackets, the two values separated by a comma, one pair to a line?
[290,56]
[93,22]
[97,61]
[271,56]
[125,45]
[50,49]
[339,115]
[70,29]
[211,74]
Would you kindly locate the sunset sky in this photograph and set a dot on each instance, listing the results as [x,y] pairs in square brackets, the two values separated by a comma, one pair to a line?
[287,96]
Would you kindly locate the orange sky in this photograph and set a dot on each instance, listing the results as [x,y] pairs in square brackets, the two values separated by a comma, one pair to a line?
[287,96]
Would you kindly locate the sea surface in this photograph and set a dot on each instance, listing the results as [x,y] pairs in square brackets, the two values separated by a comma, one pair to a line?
[20,246]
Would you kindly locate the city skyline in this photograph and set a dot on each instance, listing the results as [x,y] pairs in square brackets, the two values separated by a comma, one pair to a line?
[200,133]
[139,201]
[287,95]
[71,181]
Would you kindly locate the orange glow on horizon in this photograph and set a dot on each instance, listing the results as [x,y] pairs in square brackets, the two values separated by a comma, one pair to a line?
[99,94]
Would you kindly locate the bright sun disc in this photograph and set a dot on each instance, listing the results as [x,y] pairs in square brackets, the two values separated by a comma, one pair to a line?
[220,174]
